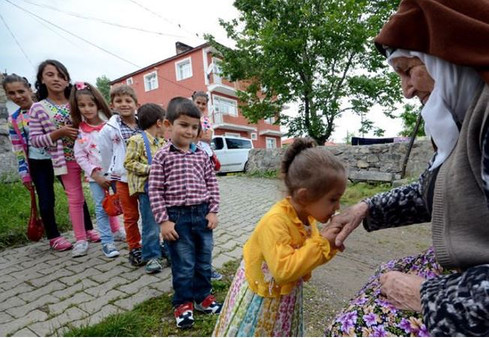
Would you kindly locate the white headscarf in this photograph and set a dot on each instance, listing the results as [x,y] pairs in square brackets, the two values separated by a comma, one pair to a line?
[454,90]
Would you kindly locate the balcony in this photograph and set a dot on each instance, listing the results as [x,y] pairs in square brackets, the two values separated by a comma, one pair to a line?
[219,123]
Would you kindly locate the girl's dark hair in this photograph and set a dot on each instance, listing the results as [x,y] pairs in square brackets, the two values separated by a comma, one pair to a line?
[181,106]
[200,93]
[42,90]
[15,78]
[305,165]
[85,88]
[149,114]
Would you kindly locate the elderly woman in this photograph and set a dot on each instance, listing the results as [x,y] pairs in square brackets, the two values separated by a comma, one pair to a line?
[440,49]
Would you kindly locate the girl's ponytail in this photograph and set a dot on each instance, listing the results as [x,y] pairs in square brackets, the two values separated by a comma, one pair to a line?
[305,165]
[293,150]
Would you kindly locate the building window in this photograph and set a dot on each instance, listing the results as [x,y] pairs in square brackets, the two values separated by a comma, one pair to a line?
[271,143]
[254,136]
[232,134]
[225,106]
[150,81]
[183,69]
[270,120]
[129,81]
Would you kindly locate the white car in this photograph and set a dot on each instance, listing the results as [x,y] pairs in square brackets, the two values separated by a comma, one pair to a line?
[232,152]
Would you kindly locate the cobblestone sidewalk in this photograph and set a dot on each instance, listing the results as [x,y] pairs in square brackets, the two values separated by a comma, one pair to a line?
[43,293]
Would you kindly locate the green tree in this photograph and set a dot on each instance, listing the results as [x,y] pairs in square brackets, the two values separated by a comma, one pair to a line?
[409,117]
[317,52]
[103,85]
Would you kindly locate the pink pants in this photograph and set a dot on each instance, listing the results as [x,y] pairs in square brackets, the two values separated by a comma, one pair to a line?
[74,192]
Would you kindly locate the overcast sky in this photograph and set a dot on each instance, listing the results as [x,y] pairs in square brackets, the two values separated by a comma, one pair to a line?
[53,29]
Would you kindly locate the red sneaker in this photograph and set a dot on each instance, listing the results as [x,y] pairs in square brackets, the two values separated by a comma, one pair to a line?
[209,305]
[184,315]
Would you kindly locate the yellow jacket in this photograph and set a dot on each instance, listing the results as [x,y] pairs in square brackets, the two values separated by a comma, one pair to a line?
[136,161]
[281,241]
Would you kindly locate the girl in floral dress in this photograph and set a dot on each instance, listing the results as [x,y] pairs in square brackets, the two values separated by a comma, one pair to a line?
[265,298]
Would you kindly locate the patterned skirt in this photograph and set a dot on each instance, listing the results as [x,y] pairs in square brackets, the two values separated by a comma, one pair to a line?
[246,314]
[368,314]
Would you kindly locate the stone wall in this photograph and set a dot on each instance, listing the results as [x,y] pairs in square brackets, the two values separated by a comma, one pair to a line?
[8,162]
[380,162]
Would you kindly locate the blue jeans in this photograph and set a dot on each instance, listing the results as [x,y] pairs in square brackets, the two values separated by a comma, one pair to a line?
[151,230]
[191,254]
[103,223]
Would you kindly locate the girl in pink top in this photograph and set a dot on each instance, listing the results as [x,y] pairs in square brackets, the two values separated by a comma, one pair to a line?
[89,112]
[51,128]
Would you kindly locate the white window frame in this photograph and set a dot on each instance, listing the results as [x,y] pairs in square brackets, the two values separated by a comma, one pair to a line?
[234,103]
[129,81]
[147,84]
[270,120]
[180,63]
[271,139]
[254,136]
[232,135]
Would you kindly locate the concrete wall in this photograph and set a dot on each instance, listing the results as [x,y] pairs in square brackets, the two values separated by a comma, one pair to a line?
[382,162]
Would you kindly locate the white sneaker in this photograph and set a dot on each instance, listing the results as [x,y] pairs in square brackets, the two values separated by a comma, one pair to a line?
[119,236]
[79,249]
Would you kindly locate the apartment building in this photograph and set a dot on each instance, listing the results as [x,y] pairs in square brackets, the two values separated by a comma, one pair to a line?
[198,69]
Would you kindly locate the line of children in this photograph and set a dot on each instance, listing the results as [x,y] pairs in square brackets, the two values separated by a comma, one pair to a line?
[265,297]
[89,112]
[184,197]
[141,149]
[51,128]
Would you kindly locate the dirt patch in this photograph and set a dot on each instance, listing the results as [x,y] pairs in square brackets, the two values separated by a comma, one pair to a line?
[335,283]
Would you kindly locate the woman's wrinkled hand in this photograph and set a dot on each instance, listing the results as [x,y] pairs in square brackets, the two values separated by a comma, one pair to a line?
[402,290]
[348,221]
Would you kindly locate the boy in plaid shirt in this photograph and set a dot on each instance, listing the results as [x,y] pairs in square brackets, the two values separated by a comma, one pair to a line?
[184,198]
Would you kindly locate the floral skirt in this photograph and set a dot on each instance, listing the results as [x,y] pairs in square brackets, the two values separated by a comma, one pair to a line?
[246,314]
[368,314]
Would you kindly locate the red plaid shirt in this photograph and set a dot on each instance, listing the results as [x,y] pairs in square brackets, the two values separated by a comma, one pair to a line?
[180,178]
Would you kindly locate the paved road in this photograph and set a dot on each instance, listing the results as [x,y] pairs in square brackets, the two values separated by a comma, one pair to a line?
[43,292]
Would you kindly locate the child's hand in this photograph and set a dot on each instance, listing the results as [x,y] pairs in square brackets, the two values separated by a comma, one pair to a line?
[212,220]
[168,231]
[69,131]
[330,234]
[101,180]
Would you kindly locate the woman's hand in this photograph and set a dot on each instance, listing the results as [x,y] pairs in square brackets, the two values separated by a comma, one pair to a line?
[402,290]
[348,221]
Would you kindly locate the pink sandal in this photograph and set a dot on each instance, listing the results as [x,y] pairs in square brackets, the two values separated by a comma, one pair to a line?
[60,244]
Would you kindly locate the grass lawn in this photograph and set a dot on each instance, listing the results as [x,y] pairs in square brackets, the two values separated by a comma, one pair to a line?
[15,212]
[154,317]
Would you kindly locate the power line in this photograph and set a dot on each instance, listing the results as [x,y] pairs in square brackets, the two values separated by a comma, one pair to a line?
[103,21]
[16,41]
[68,32]
[92,44]
[57,33]
[163,18]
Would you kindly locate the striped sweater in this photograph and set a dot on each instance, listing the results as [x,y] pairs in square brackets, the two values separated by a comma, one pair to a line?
[41,125]
[18,134]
